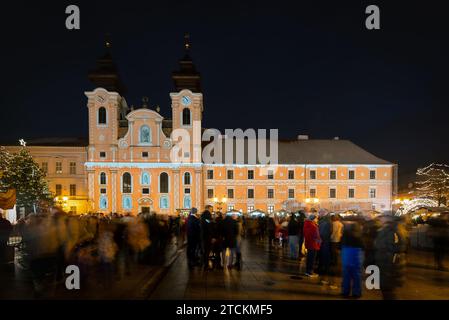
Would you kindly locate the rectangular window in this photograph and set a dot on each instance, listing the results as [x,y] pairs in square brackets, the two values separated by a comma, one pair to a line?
[312,193]
[58,190]
[270,175]
[332,174]
[250,208]
[372,174]
[210,193]
[332,193]
[72,168]
[291,174]
[291,193]
[210,174]
[231,193]
[230,174]
[312,174]
[145,154]
[103,190]
[351,193]
[73,190]
[145,190]
[187,190]
[270,209]
[102,154]
[58,167]
[230,208]
[45,167]
[351,174]
[250,193]
[250,174]
[372,193]
[270,193]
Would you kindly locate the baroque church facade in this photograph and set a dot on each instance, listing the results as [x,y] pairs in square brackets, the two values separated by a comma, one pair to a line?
[126,164]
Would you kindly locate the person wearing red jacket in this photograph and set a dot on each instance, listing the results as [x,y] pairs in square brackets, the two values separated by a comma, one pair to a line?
[312,242]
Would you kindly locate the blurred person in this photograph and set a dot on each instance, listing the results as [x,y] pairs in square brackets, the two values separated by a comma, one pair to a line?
[193,230]
[5,232]
[206,235]
[293,238]
[324,255]
[371,227]
[390,244]
[352,259]
[301,218]
[312,243]
[217,239]
[336,236]
[261,227]
[107,252]
[230,231]
[271,230]
[238,242]
[439,233]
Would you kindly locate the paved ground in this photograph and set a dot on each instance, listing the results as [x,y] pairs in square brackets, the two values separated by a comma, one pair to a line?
[267,274]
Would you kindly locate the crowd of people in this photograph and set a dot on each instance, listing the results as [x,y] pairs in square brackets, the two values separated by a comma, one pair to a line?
[214,240]
[104,247]
[334,248]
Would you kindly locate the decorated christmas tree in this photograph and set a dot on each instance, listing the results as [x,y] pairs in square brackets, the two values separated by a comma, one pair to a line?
[20,172]
[434,182]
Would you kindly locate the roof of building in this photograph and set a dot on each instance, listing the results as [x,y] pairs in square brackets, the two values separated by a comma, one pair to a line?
[314,152]
[325,152]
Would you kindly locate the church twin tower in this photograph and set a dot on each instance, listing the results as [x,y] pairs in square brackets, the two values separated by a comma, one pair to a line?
[129,165]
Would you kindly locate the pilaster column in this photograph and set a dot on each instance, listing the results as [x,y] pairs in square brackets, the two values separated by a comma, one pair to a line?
[176,189]
[114,190]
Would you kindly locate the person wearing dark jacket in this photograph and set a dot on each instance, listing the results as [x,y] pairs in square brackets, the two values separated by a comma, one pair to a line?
[301,218]
[351,258]
[325,228]
[217,240]
[231,230]
[206,235]
[5,231]
[293,232]
[390,246]
[193,237]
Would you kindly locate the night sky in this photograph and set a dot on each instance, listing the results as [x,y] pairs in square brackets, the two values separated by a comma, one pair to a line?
[305,68]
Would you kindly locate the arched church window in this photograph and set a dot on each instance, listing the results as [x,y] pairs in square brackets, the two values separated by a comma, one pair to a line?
[163,202]
[127,203]
[103,178]
[187,178]
[186,117]
[145,180]
[126,183]
[102,115]
[187,202]
[103,203]
[145,134]
[163,182]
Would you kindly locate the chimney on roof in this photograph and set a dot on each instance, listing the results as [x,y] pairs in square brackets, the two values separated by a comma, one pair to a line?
[303,137]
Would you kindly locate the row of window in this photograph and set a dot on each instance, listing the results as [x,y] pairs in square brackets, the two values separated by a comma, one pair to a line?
[127,203]
[72,190]
[291,174]
[58,167]
[145,179]
[291,193]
